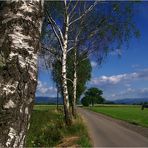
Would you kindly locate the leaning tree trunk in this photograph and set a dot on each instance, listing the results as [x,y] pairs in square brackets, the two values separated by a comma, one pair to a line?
[74,85]
[20,23]
[64,70]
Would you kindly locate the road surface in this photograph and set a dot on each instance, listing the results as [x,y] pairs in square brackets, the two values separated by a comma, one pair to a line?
[108,133]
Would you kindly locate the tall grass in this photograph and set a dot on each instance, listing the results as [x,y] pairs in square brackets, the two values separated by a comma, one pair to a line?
[47,128]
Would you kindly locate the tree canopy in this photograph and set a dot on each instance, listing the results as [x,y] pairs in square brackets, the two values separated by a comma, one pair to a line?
[92,96]
[83,74]
[92,28]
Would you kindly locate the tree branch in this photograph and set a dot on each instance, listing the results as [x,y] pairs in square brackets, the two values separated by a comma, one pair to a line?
[48,49]
[73,8]
[85,12]
[52,52]
[55,24]
[54,27]
[75,41]
[69,4]
[69,80]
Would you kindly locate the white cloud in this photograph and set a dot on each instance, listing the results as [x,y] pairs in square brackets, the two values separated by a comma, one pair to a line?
[93,63]
[43,89]
[116,79]
[130,93]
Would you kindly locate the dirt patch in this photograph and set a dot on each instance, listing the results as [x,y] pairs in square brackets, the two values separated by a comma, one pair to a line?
[69,142]
[139,129]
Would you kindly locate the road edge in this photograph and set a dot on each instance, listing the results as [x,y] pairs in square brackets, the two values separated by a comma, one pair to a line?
[136,128]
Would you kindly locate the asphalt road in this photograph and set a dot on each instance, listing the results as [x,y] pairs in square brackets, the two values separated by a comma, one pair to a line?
[107,133]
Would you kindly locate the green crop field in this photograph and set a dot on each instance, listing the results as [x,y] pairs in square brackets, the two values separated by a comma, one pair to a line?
[47,128]
[132,114]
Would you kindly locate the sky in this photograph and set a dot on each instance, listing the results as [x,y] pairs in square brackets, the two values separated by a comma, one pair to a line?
[119,77]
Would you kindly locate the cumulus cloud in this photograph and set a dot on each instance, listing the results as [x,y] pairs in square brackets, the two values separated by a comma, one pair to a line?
[93,63]
[116,79]
[130,93]
[43,89]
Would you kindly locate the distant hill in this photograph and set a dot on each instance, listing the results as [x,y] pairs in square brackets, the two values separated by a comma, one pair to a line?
[47,100]
[131,101]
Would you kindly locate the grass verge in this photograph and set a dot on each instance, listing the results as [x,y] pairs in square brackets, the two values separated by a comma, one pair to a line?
[130,113]
[47,129]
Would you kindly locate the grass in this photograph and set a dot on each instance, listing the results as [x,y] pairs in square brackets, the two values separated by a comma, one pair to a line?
[130,113]
[47,128]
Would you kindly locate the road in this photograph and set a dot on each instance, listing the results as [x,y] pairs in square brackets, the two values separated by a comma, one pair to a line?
[108,133]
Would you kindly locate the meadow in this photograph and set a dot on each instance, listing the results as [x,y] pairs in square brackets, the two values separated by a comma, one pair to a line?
[47,129]
[130,113]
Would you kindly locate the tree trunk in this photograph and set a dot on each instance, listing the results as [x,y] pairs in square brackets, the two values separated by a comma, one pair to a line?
[20,23]
[57,97]
[67,113]
[65,90]
[74,86]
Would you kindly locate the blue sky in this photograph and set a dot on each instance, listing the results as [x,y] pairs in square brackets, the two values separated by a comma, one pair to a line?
[119,77]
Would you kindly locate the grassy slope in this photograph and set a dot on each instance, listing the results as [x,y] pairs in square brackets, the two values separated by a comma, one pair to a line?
[132,114]
[47,128]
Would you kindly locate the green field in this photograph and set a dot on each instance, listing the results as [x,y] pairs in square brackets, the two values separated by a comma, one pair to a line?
[47,128]
[132,114]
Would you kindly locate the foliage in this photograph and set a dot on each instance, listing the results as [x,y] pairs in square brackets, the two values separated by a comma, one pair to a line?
[47,128]
[109,31]
[85,101]
[129,113]
[98,30]
[93,95]
[83,73]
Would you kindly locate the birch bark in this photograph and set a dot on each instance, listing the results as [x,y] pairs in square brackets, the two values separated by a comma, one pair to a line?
[64,70]
[74,85]
[20,23]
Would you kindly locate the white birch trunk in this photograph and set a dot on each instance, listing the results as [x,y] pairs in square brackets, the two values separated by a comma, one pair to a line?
[20,30]
[64,71]
[74,85]
[65,89]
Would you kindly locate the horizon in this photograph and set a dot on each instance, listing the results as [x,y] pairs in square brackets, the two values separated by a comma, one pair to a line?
[105,99]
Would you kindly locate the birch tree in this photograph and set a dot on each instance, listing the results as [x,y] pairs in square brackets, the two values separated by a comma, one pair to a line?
[83,76]
[62,37]
[79,72]
[20,28]
[92,28]
[95,31]
[62,34]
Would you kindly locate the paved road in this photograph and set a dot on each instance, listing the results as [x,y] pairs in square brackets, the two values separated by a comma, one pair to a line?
[107,133]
